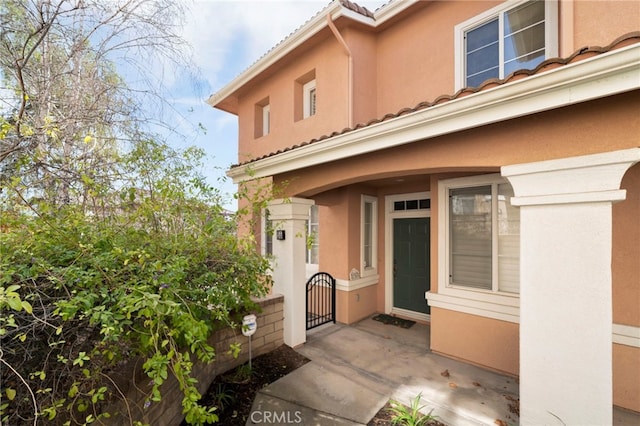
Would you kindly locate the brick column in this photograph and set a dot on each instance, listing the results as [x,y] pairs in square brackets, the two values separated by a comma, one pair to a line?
[289,264]
[565,285]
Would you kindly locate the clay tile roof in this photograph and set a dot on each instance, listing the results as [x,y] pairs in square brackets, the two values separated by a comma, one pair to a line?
[356,8]
[549,64]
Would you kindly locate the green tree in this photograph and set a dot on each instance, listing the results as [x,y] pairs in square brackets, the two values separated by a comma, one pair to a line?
[112,246]
[81,293]
[65,112]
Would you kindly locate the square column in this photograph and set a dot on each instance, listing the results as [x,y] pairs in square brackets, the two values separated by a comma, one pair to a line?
[565,285]
[289,251]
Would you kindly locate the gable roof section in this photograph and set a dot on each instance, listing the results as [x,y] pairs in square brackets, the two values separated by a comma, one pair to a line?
[554,83]
[224,98]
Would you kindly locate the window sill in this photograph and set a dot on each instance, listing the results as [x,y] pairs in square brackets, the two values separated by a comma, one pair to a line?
[504,308]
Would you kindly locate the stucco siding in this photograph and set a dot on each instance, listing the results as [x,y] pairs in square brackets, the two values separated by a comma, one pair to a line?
[599,22]
[478,340]
[626,377]
[330,65]
[626,249]
[587,128]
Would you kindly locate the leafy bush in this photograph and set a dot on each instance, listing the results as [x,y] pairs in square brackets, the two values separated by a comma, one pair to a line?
[82,291]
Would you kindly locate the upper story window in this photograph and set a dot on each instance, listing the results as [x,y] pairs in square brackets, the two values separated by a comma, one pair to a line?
[266,119]
[309,99]
[514,35]
[305,94]
[262,121]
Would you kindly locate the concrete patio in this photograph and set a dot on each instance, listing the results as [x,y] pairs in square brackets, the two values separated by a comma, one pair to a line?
[355,370]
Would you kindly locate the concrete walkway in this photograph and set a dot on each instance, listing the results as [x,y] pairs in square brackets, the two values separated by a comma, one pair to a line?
[355,370]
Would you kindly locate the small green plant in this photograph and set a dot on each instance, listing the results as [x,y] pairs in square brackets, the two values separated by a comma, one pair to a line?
[242,373]
[410,416]
[223,397]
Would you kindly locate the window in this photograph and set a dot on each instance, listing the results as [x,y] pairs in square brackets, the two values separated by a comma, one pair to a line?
[313,228]
[267,234]
[262,122]
[413,204]
[368,237]
[304,96]
[266,111]
[309,99]
[482,235]
[515,35]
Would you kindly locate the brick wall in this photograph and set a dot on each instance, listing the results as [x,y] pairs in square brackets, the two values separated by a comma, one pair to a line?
[135,384]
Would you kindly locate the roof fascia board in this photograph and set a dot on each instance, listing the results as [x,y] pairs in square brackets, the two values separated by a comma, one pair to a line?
[391,9]
[297,38]
[608,74]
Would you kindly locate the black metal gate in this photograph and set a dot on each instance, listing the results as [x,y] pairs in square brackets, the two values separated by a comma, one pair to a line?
[321,300]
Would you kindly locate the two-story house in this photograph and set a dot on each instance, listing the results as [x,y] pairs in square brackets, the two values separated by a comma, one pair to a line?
[471,164]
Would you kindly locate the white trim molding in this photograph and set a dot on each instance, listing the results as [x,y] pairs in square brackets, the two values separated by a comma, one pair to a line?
[389,216]
[490,306]
[610,73]
[351,285]
[628,335]
[405,313]
[583,179]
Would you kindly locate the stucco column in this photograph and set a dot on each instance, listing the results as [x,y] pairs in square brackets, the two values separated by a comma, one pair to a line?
[565,285]
[289,263]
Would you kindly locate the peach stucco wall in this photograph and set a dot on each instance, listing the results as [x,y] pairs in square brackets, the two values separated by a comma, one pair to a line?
[597,126]
[626,261]
[400,65]
[330,65]
[626,377]
[587,128]
[355,305]
[476,339]
[599,22]
[416,58]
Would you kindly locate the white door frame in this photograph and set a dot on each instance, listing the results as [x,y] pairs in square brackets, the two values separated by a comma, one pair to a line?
[389,216]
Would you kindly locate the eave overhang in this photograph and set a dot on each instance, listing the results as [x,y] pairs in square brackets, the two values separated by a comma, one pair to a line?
[221,99]
[611,73]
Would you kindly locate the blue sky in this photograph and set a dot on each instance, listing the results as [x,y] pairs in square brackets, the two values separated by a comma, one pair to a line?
[227,37]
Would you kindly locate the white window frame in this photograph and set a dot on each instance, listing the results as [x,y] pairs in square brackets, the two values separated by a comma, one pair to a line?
[308,108]
[372,269]
[263,227]
[488,303]
[551,35]
[312,268]
[266,119]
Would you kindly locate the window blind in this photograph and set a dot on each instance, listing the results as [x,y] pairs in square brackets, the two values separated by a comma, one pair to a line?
[470,239]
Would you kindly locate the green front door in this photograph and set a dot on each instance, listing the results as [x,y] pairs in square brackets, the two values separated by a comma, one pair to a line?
[411,273]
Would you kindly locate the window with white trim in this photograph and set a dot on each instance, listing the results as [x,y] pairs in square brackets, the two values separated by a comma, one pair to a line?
[482,231]
[313,233]
[514,35]
[309,99]
[262,120]
[266,119]
[369,235]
